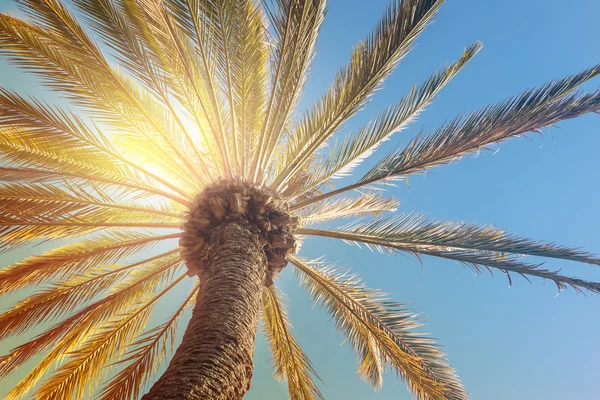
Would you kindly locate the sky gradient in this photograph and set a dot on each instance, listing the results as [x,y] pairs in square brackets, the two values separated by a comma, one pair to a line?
[523,342]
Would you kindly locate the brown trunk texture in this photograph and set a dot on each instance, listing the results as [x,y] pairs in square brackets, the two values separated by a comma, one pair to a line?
[214,360]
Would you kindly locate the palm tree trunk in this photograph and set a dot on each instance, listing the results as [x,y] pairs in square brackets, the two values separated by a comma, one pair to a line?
[214,361]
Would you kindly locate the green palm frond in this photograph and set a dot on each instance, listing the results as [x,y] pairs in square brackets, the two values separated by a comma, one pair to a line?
[371,62]
[469,244]
[416,229]
[343,158]
[371,204]
[528,112]
[381,332]
[291,363]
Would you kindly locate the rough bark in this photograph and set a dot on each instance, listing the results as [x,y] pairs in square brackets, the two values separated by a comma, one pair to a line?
[214,360]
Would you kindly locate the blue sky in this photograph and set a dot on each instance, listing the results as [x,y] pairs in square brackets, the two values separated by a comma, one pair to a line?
[522,342]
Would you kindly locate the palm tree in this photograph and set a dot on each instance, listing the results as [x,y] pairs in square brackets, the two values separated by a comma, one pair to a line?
[183,128]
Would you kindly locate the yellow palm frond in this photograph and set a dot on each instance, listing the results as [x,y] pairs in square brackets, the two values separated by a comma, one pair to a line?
[296,28]
[62,134]
[88,364]
[199,20]
[251,79]
[76,66]
[66,68]
[65,296]
[118,26]
[191,18]
[123,191]
[160,38]
[64,346]
[19,232]
[50,203]
[92,316]
[19,148]
[177,54]
[73,258]
[30,175]
[290,361]
[144,356]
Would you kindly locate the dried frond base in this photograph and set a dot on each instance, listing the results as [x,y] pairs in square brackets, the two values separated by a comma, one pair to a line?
[259,209]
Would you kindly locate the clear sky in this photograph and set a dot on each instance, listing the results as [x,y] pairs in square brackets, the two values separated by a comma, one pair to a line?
[522,342]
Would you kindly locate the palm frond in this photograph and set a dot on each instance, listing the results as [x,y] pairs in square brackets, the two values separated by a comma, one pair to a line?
[122,190]
[29,175]
[87,320]
[416,229]
[26,44]
[158,38]
[371,204]
[167,97]
[62,262]
[228,28]
[61,133]
[64,346]
[507,264]
[371,62]
[175,50]
[200,22]
[290,362]
[50,203]
[381,332]
[22,149]
[57,130]
[84,370]
[197,20]
[167,166]
[145,355]
[250,75]
[117,27]
[64,68]
[17,232]
[63,297]
[469,244]
[296,27]
[343,158]
[76,67]
[528,112]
